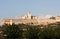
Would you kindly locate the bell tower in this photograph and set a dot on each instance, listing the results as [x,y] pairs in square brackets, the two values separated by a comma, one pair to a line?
[29,15]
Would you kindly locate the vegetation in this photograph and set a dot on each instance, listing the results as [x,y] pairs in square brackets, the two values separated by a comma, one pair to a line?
[22,31]
[11,32]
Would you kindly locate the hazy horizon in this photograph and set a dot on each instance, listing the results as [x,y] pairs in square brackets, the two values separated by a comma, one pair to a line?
[41,8]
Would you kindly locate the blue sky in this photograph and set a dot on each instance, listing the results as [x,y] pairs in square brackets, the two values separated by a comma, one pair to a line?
[13,8]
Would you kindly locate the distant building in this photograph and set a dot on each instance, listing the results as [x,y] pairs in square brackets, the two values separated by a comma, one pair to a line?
[29,16]
[57,18]
[52,18]
[29,19]
[6,21]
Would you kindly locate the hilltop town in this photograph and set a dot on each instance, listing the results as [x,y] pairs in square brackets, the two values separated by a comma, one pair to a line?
[31,27]
[31,20]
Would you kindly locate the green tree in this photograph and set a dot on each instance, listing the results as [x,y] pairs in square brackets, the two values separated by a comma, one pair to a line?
[12,32]
[33,32]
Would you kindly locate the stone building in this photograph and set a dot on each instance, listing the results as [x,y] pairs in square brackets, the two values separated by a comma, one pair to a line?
[29,19]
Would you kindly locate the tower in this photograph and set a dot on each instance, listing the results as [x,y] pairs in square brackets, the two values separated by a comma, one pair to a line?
[29,15]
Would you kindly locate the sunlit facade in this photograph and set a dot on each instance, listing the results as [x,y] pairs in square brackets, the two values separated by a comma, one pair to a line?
[31,20]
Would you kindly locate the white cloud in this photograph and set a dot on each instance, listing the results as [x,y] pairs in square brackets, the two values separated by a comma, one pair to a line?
[48,16]
[45,17]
